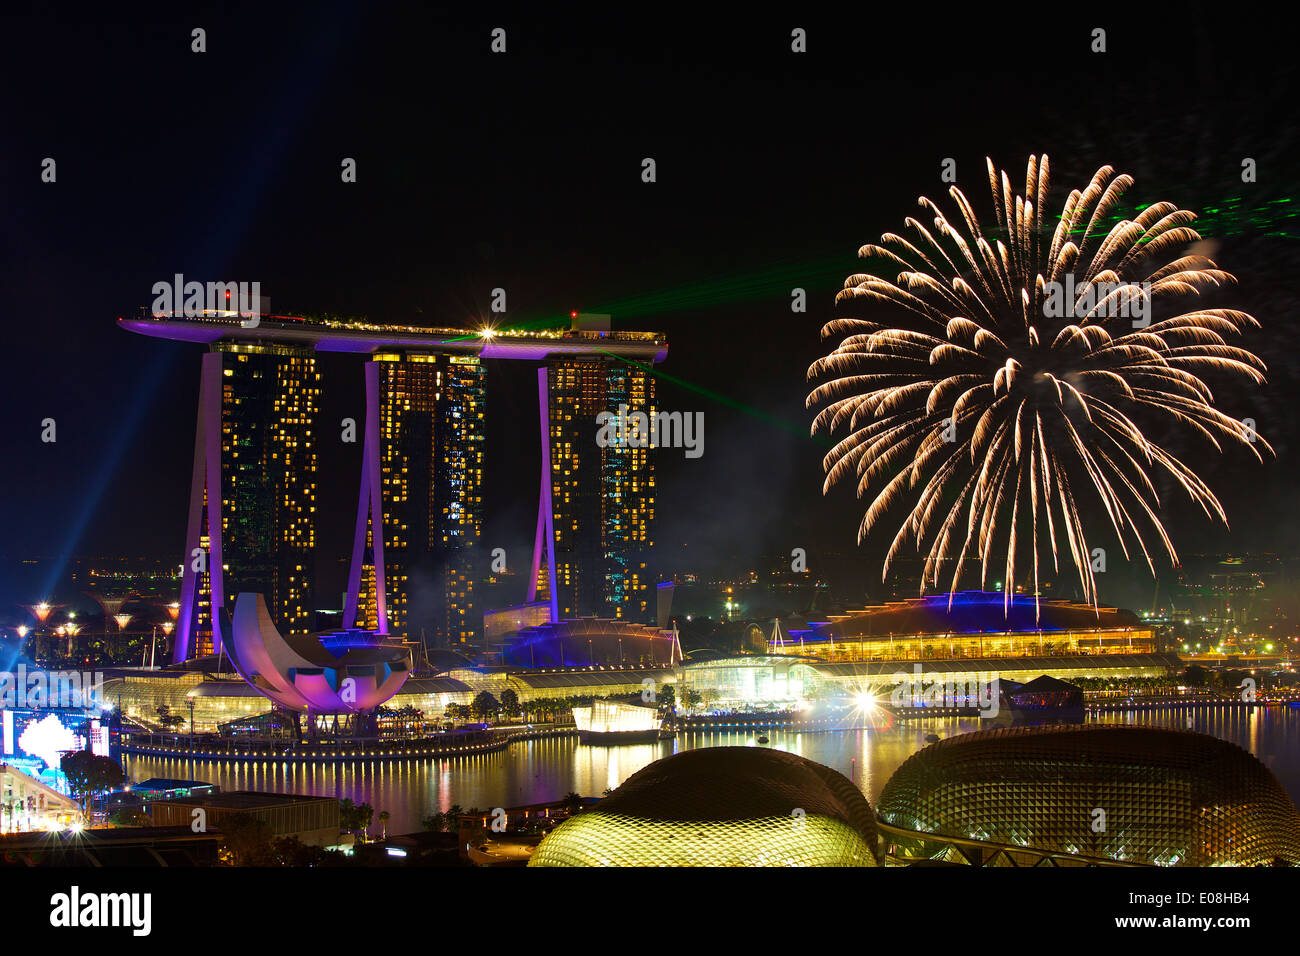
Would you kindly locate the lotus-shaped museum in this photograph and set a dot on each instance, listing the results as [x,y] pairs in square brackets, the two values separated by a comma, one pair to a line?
[337,672]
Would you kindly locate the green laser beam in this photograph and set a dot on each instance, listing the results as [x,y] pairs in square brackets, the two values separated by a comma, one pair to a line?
[774,279]
[1229,216]
[720,398]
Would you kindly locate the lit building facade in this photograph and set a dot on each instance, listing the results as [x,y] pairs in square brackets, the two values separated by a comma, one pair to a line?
[139,694]
[613,721]
[270,402]
[590,641]
[219,701]
[970,625]
[258,409]
[603,498]
[784,681]
[28,804]
[431,431]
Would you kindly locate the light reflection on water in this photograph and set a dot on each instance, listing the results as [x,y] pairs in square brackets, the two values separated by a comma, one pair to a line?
[544,770]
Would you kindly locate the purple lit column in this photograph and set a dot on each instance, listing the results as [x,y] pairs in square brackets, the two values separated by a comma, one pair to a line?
[369,504]
[206,475]
[545,507]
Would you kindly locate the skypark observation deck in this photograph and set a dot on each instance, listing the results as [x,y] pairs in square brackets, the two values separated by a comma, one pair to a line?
[363,337]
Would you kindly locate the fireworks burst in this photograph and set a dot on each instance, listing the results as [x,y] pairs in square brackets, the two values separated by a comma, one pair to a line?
[1014,381]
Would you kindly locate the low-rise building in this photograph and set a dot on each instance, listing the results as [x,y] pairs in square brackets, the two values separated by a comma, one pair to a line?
[313,820]
[26,804]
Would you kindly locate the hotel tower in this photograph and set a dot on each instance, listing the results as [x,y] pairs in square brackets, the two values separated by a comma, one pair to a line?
[603,499]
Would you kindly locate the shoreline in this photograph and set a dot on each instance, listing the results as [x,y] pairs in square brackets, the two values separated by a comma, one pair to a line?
[348,753]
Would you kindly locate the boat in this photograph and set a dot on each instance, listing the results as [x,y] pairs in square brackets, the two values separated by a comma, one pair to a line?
[762,738]
[931,738]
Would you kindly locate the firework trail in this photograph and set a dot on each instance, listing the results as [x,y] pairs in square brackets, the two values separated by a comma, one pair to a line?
[1012,387]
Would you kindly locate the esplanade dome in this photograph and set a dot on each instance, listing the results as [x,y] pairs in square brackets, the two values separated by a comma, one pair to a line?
[721,806]
[1098,794]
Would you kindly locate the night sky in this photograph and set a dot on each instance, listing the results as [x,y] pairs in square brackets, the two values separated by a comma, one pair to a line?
[522,171]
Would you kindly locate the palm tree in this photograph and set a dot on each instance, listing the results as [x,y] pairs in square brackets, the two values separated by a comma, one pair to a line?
[364,814]
[383,824]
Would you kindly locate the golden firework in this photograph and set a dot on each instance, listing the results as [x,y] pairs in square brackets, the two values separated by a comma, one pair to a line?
[1022,359]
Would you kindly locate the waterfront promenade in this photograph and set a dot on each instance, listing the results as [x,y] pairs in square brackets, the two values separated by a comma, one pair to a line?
[360,749]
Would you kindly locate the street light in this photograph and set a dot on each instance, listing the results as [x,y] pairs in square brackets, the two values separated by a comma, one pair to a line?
[42,610]
[167,627]
[71,630]
[123,619]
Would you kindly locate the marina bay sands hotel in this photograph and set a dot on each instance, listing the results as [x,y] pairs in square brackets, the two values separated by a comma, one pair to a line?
[417,556]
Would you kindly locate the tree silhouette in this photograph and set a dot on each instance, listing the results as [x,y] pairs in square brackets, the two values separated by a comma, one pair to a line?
[510,702]
[89,774]
[246,840]
[485,705]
